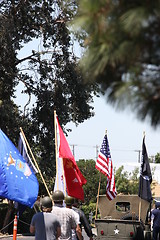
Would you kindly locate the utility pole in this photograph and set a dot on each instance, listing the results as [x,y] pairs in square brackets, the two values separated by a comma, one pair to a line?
[139,155]
[73,147]
[97,151]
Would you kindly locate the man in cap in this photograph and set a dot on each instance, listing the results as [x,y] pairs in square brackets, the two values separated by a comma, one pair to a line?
[76,235]
[155,216]
[83,220]
[66,216]
[45,224]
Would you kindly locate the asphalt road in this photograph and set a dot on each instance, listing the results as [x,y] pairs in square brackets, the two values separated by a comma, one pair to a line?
[20,237]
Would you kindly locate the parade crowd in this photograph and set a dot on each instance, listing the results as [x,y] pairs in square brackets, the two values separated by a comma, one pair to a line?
[59,221]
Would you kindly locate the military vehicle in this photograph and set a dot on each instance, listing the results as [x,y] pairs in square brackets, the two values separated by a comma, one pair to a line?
[125,217]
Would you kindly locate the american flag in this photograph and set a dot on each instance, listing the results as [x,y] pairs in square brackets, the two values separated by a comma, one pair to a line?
[105,166]
[111,192]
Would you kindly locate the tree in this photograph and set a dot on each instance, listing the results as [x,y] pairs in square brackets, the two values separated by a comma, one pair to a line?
[87,167]
[134,181]
[126,182]
[157,158]
[122,181]
[122,52]
[50,73]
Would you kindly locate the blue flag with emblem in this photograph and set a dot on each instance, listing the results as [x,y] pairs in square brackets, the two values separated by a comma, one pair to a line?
[17,180]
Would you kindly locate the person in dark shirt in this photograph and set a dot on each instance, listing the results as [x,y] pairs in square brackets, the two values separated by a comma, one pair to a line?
[155,215]
[45,224]
[83,220]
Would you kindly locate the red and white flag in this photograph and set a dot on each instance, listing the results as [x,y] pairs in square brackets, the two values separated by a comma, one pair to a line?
[105,166]
[73,176]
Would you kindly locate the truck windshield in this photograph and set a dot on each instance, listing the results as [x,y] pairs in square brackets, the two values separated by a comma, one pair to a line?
[122,206]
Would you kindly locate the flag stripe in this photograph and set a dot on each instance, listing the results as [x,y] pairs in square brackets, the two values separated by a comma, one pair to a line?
[102,169]
[104,165]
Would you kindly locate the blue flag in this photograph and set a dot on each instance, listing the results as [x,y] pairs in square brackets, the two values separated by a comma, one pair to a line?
[23,151]
[17,180]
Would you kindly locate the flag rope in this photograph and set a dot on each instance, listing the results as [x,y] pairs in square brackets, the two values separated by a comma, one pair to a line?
[36,163]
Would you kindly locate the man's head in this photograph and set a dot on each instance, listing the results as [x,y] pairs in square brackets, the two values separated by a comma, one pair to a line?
[46,204]
[58,197]
[76,202]
[157,204]
[69,201]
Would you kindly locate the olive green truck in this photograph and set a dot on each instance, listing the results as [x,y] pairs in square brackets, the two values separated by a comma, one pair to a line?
[119,218]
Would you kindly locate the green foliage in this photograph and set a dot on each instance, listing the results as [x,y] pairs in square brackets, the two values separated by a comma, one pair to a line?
[3,211]
[127,182]
[157,158]
[134,183]
[122,181]
[121,41]
[48,72]
[25,220]
[87,209]
[87,167]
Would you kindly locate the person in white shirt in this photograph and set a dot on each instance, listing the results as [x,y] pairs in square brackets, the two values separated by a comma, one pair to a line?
[65,216]
[76,234]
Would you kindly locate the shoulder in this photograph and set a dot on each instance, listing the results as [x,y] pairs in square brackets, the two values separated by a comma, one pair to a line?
[76,215]
[52,217]
[155,211]
[37,216]
[79,211]
[71,213]
[57,208]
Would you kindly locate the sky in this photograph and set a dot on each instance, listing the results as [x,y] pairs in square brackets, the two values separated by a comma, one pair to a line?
[124,131]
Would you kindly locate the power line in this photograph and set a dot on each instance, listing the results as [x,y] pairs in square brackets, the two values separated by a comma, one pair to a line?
[95,146]
[97,150]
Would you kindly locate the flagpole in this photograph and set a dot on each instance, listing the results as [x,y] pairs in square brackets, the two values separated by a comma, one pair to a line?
[35,162]
[62,162]
[55,132]
[99,188]
[55,128]
[98,196]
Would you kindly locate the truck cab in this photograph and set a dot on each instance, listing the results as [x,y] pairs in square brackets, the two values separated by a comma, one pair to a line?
[125,217]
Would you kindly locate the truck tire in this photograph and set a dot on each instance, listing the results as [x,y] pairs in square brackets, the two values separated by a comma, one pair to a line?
[139,234]
[147,236]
